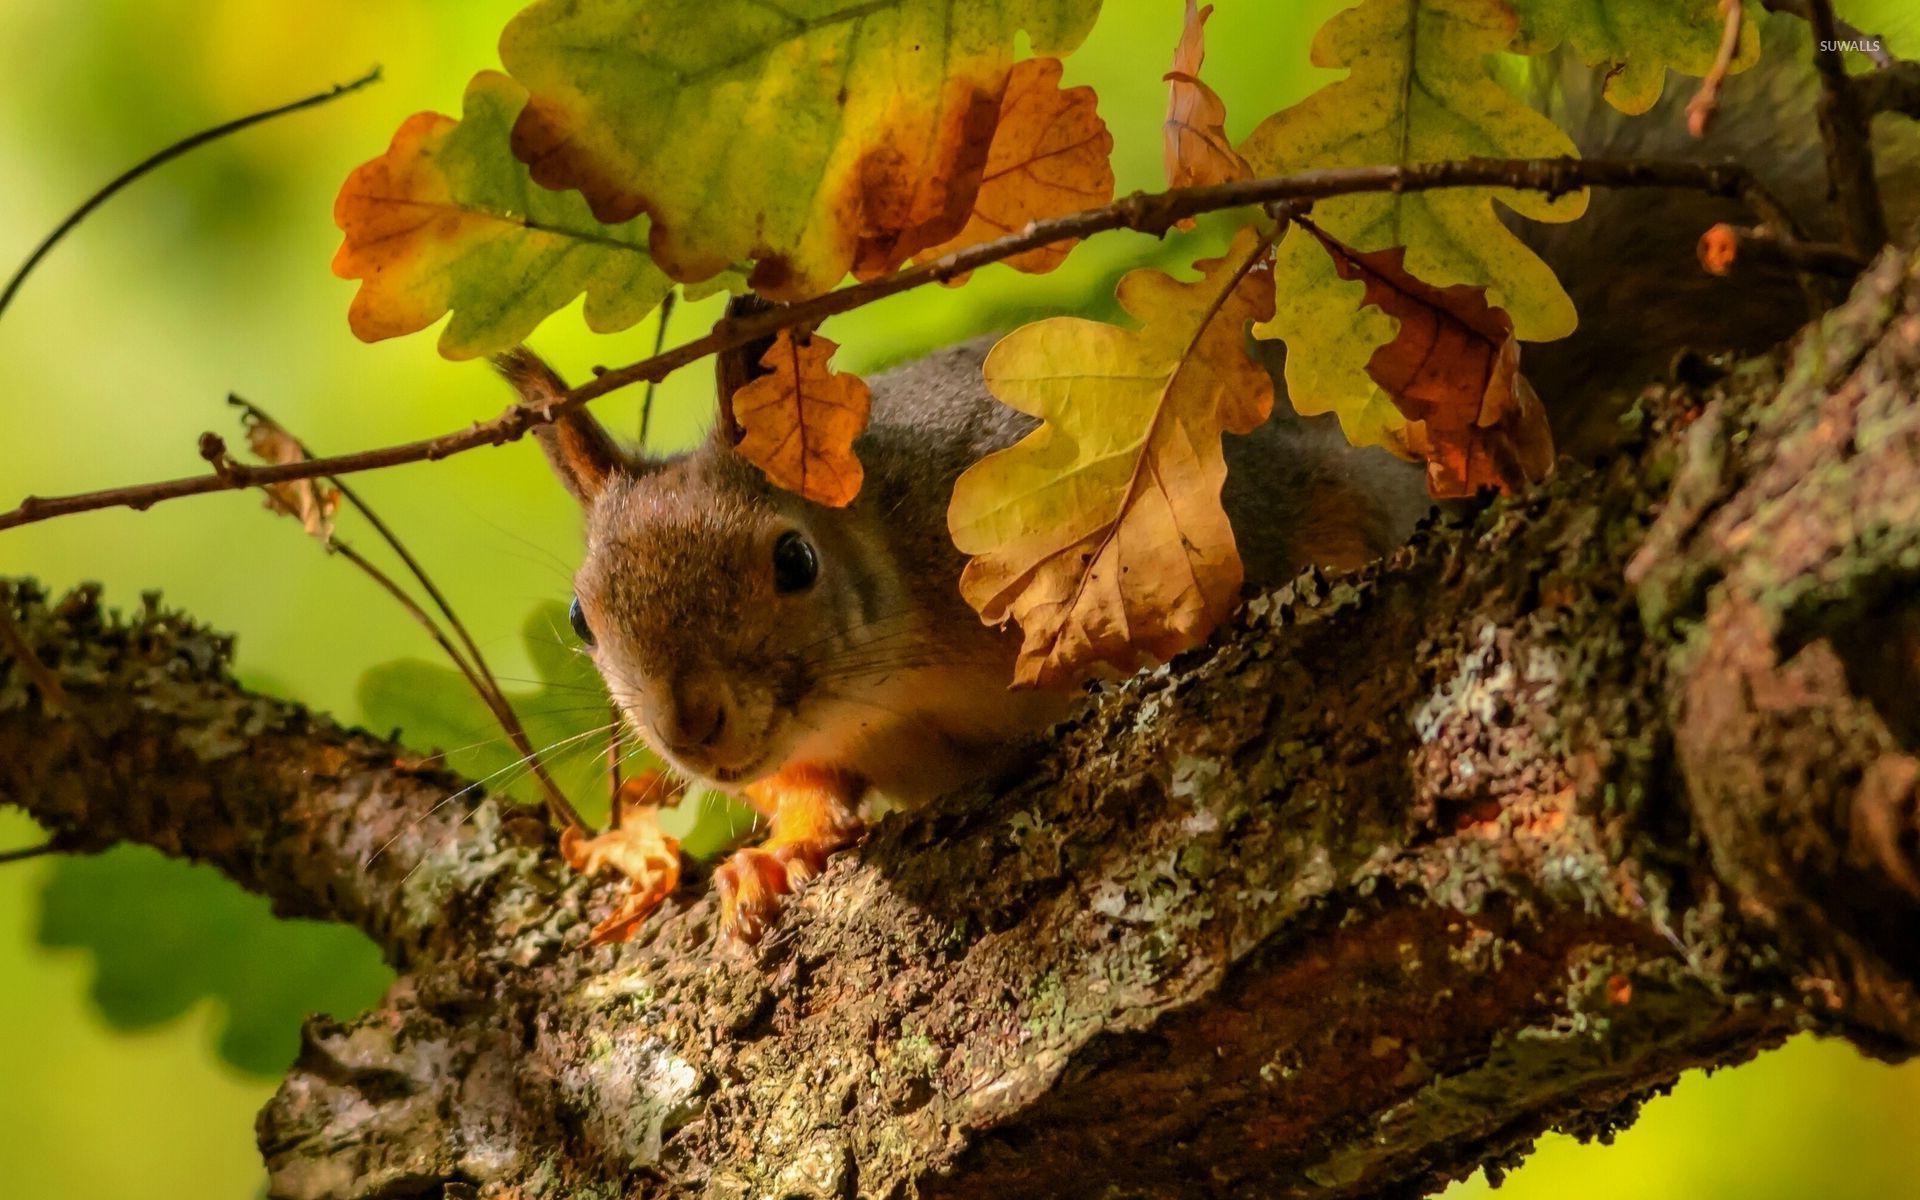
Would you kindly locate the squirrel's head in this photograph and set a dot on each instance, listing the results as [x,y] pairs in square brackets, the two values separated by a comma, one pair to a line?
[721,611]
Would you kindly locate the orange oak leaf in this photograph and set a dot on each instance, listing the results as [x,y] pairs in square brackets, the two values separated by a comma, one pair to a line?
[1197,149]
[1050,156]
[798,423]
[636,848]
[1453,370]
[1102,532]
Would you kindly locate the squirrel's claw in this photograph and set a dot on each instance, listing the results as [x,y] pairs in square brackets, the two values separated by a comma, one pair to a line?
[813,815]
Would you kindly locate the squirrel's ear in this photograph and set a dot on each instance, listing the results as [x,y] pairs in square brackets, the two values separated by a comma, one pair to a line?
[582,452]
[734,369]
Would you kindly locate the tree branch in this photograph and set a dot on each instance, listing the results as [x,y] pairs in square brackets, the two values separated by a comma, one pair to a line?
[1144,212]
[1500,836]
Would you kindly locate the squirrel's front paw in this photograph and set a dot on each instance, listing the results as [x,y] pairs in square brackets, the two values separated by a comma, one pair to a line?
[813,815]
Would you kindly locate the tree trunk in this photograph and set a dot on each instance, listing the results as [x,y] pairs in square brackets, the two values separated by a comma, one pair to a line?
[1500,836]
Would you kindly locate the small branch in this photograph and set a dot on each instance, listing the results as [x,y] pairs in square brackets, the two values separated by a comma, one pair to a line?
[472,665]
[1726,249]
[1843,125]
[1145,212]
[25,853]
[160,159]
[1893,90]
[1872,45]
[1706,101]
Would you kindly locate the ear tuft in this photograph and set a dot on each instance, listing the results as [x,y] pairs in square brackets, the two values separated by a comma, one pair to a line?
[582,452]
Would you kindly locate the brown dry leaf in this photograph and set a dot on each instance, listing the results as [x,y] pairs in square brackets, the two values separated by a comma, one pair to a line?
[1050,156]
[308,501]
[799,422]
[637,848]
[1101,532]
[1197,149]
[1453,370]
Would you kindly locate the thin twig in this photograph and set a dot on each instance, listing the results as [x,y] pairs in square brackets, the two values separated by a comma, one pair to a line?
[472,665]
[1145,212]
[1843,125]
[659,344]
[15,643]
[1706,101]
[613,767]
[1728,249]
[1895,89]
[50,846]
[161,159]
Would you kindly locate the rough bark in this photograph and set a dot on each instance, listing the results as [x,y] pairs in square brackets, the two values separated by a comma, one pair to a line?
[1498,837]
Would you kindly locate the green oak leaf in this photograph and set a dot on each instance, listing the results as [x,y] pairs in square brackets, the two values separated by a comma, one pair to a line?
[812,135]
[1634,42]
[165,934]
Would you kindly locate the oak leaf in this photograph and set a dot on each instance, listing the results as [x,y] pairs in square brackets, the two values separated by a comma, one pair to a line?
[1197,148]
[812,135]
[1101,532]
[1453,371]
[1417,90]
[798,422]
[636,848]
[1050,156]
[1632,43]
[446,220]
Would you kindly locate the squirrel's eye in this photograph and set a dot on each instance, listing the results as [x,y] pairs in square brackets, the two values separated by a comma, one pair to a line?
[794,564]
[579,620]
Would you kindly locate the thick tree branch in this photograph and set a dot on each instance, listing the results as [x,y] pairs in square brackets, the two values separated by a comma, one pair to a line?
[1501,836]
[1153,213]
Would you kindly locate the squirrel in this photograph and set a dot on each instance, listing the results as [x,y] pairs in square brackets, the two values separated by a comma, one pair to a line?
[805,657]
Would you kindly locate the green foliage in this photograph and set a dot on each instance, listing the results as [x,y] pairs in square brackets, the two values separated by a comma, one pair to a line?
[565,711]
[165,935]
[1633,42]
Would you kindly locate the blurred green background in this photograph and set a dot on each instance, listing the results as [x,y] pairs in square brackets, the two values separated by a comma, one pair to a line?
[146,1007]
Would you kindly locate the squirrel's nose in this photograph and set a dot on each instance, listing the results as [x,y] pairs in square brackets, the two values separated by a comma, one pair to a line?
[695,718]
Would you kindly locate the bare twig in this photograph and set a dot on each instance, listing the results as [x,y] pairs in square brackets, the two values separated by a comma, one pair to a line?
[1895,89]
[15,644]
[1843,125]
[1706,101]
[160,159]
[1146,212]
[659,344]
[1727,249]
[50,846]
[472,665]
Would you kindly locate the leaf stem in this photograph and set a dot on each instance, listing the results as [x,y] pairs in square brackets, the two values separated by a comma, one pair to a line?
[161,158]
[659,344]
[1146,212]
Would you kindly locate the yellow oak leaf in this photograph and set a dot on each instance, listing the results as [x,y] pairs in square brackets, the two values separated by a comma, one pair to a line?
[1197,149]
[798,422]
[1101,532]
[814,136]
[1049,157]
[1417,90]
